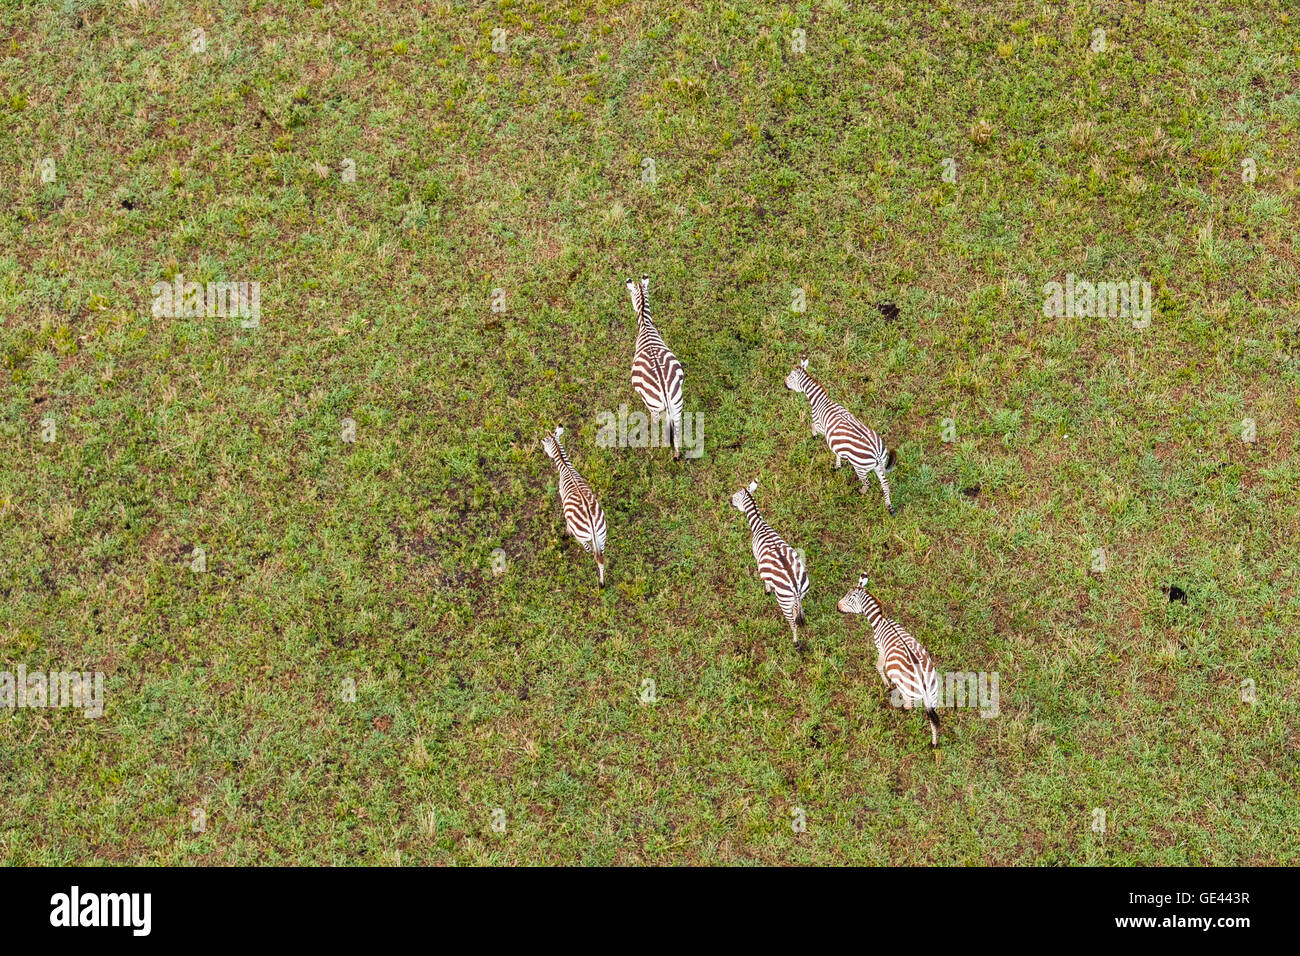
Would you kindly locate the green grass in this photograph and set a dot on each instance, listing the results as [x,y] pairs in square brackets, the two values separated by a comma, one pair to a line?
[370,562]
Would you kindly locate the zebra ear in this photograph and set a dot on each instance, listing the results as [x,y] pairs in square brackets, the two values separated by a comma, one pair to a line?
[862,581]
[559,430]
[804,364]
[753,487]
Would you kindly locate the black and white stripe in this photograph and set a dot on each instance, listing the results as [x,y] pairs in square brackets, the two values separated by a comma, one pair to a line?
[902,663]
[779,566]
[656,374]
[583,517]
[847,437]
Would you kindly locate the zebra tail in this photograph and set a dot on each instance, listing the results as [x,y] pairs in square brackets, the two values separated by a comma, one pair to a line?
[675,436]
[798,617]
[891,460]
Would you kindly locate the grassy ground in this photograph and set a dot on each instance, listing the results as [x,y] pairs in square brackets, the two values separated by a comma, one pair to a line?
[329,562]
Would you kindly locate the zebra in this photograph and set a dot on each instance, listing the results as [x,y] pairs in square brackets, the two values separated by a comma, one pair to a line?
[656,374]
[779,567]
[583,517]
[845,435]
[902,663]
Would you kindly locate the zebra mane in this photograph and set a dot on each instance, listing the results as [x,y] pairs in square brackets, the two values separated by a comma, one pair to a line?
[811,385]
[559,448]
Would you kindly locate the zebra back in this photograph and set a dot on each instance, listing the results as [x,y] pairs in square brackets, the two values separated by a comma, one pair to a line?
[583,516]
[845,435]
[778,563]
[908,665]
[657,375]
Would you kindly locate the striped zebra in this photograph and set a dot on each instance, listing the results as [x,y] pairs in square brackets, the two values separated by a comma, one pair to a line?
[779,566]
[845,435]
[902,663]
[583,517]
[656,374]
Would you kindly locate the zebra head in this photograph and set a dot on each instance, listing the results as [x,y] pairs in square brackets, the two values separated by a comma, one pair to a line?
[744,496]
[640,293]
[858,600]
[798,377]
[551,445]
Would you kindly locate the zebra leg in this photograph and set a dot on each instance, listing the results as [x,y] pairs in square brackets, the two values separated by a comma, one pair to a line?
[838,461]
[884,486]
